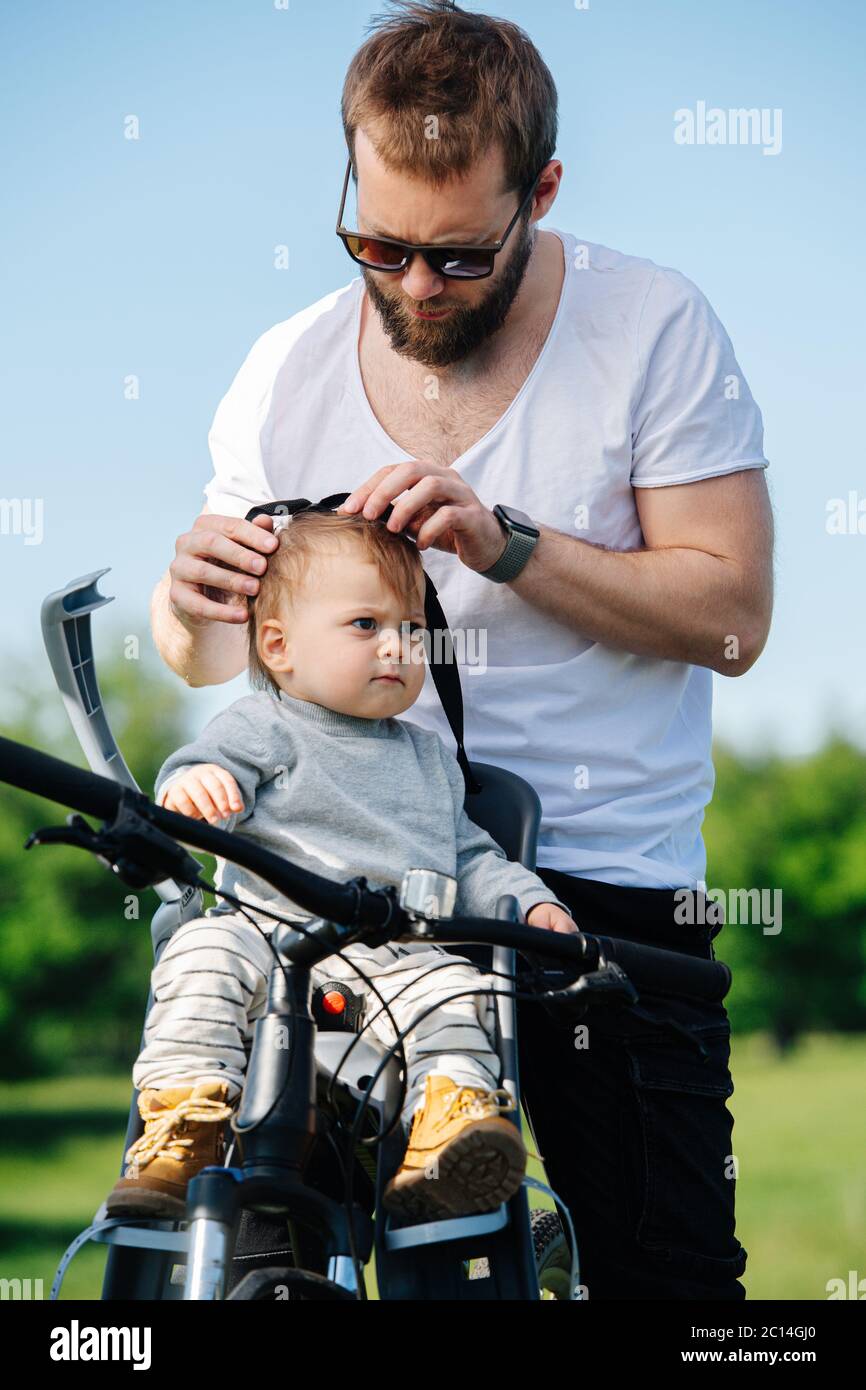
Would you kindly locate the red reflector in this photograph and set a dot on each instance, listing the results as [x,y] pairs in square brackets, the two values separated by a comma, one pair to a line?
[333,1002]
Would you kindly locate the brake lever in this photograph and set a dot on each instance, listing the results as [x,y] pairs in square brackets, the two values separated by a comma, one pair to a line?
[76,832]
[608,983]
[139,853]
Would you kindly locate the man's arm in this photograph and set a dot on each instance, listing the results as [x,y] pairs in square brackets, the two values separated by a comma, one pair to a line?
[208,654]
[204,641]
[701,590]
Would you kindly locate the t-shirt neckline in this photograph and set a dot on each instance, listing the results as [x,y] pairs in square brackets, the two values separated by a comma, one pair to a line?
[538,364]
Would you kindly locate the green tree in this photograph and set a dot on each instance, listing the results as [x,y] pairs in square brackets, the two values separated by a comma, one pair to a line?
[799,826]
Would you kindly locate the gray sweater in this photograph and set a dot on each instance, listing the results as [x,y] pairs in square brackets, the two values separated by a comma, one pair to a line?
[343,795]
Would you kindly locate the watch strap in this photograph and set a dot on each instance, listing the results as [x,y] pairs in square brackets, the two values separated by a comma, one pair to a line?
[518,549]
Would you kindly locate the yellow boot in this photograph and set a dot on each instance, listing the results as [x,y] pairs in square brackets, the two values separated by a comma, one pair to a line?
[183,1133]
[463,1155]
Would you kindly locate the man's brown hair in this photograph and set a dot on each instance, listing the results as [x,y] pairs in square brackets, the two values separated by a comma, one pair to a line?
[481,77]
[312,534]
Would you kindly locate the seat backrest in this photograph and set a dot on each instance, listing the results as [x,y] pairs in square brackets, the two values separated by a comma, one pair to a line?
[508,808]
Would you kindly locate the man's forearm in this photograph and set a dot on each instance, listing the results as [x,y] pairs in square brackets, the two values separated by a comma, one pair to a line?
[673,603]
[209,654]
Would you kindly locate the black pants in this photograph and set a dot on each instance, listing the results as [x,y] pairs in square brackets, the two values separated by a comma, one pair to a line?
[633,1128]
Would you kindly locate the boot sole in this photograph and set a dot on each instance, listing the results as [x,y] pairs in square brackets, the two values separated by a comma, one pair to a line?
[477,1171]
[145,1202]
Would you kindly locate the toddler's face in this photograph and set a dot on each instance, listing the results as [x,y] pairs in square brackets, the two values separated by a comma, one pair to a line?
[341,643]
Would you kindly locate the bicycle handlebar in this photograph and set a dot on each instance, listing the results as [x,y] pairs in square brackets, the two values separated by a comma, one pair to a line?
[648,967]
[56,780]
[652,969]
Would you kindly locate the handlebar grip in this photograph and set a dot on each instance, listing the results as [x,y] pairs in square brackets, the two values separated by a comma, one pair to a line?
[655,971]
[58,781]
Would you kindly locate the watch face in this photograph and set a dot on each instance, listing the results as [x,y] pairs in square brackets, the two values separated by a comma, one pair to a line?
[519,520]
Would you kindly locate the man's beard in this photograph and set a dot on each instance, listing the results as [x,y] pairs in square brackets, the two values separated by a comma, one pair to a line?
[439,344]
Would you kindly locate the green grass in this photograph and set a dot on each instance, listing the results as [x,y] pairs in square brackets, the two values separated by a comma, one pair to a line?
[799,1138]
[59,1156]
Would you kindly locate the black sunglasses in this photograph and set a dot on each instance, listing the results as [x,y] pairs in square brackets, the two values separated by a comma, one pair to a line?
[454,262]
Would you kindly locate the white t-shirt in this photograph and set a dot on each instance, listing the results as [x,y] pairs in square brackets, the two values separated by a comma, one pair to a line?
[636,386]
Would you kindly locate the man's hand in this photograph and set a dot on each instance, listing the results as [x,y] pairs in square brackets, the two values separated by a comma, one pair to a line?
[205,792]
[223,553]
[439,509]
[552,917]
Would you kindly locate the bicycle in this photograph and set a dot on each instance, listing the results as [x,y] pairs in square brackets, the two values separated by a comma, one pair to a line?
[318,1120]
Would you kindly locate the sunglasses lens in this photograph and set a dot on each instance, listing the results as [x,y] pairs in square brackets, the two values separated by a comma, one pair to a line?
[378,255]
[461,265]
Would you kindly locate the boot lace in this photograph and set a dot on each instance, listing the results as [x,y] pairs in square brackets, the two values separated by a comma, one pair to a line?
[476,1105]
[161,1133]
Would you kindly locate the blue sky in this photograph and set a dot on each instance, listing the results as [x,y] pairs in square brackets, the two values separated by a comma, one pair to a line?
[155,257]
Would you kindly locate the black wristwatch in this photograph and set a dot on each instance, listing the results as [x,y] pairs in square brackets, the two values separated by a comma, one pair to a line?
[522,536]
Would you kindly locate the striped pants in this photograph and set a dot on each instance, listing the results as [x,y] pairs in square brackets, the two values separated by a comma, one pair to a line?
[211,984]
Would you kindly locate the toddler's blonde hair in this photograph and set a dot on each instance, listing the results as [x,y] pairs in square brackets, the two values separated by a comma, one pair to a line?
[311,535]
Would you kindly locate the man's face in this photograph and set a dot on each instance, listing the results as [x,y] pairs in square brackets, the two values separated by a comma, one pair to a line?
[428,318]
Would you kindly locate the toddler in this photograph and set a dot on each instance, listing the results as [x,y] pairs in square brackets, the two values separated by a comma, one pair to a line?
[316,767]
